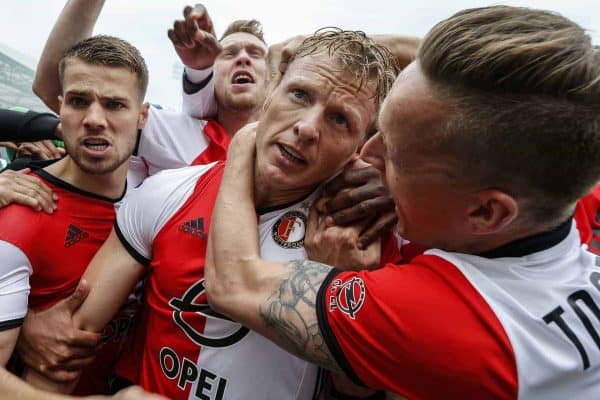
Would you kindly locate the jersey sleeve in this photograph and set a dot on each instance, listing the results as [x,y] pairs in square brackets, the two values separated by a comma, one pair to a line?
[199,93]
[170,140]
[15,270]
[419,329]
[28,126]
[147,208]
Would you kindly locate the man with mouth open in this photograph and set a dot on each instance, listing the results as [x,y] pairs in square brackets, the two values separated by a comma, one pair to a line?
[313,123]
[224,80]
[43,255]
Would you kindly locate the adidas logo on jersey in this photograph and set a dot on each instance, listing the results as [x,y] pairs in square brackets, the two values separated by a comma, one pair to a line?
[194,227]
[74,235]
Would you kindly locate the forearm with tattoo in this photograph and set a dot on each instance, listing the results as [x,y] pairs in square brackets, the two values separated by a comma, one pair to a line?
[291,312]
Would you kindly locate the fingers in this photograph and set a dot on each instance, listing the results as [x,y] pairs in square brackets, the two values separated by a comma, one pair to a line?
[245,138]
[75,300]
[363,210]
[374,232]
[42,150]
[352,197]
[179,35]
[351,177]
[18,187]
[51,150]
[200,15]
[313,226]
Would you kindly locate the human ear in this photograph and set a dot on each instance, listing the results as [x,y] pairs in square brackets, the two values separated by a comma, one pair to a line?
[143,116]
[491,211]
[373,151]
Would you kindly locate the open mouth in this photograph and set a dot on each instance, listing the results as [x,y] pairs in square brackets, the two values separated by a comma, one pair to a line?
[241,78]
[291,155]
[96,144]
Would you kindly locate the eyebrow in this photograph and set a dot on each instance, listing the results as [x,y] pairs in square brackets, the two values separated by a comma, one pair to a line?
[78,93]
[239,45]
[88,93]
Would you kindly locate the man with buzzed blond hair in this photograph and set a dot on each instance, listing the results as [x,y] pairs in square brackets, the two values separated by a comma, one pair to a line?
[487,141]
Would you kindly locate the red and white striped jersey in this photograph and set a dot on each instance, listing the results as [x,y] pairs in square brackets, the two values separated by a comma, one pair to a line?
[189,351]
[518,322]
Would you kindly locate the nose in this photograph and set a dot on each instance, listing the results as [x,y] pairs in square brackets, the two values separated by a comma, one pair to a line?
[307,127]
[373,152]
[95,117]
[243,58]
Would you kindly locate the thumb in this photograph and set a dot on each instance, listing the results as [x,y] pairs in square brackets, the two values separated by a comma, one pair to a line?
[76,299]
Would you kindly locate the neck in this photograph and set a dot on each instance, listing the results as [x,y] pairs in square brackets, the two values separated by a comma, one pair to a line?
[233,120]
[111,185]
[266,195]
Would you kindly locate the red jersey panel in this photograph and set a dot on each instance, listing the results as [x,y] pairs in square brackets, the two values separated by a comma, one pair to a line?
[218,144]
[59,247]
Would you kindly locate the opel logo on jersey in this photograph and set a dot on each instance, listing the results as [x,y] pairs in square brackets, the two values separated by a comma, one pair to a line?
[288,231]
[347,296]
[189,304]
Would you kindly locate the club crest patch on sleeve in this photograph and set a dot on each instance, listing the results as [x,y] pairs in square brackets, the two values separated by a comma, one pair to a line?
[288,231]
[348,296]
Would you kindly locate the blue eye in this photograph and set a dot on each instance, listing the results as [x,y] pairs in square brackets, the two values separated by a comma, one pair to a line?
[339,119]
[300,94]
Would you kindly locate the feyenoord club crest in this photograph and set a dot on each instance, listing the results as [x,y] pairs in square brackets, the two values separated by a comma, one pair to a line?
[347,296]
[288,231]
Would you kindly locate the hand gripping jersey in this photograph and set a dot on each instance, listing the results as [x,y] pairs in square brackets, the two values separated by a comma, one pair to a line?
[189,351]
[519,322]
[50,253]
[174,140]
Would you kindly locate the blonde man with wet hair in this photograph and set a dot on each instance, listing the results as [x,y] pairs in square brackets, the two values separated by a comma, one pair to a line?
[486,142]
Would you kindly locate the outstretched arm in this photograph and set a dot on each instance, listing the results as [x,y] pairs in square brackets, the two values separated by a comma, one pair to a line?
[278,300]
[75,22]
[195,43]
[112,274]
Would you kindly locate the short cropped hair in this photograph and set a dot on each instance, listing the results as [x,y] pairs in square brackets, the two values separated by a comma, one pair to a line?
[109,51]
[356,53]
[523,87]
[251,26]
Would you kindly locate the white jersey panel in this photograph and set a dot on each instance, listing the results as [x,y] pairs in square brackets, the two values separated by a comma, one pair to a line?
[533,296]
[281,238]
[170,140]
[15,270]
[136,172]
[147,208]
[202,103]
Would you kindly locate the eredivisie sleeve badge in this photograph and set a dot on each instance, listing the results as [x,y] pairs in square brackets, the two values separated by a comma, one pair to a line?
[288,231]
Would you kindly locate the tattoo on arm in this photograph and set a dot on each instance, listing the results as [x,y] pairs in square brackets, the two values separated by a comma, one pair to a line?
[291,312]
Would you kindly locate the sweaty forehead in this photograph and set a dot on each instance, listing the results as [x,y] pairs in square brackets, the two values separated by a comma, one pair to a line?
[242,39]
